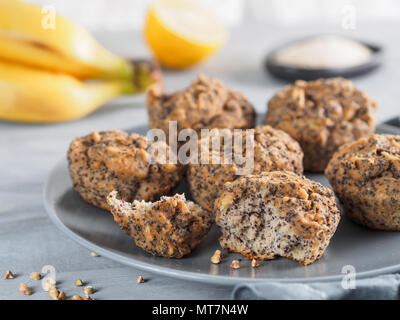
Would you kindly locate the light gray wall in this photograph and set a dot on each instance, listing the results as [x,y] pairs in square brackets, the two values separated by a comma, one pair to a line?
[129,14]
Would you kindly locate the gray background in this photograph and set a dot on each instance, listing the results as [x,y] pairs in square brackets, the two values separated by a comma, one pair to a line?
[28,240]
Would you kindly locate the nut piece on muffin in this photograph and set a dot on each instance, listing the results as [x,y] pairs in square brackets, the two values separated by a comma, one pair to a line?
[322,115]
[114,160]
[276,214]
[271,150]
[207,103]
[170,227]
[365,176]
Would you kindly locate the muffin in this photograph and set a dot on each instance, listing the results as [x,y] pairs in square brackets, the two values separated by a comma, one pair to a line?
[276,214]
[365,176]
[270,150]
[206,104]
[170,227]
[322,115]
[113,160]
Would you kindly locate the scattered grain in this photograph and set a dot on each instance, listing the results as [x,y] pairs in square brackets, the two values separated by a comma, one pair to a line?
[88,290]
[217,257]
[24,289]
[235,264]
[78,283]
[254,263]
[35,276]
[9,275]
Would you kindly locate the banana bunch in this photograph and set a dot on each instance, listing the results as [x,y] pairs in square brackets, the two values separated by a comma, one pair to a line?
[59,73]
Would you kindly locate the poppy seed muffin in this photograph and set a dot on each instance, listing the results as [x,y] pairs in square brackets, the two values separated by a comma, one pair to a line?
[113,160]
[276,214]
[322,115]
[365,176]
[271,150]
[206,103]
[170,227]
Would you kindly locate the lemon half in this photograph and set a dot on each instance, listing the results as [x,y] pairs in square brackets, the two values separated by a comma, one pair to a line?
[182,33]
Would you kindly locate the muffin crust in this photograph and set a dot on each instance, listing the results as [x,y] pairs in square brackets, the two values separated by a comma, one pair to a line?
[322,115]
[113,160]
[274,150]
[170,227]
[365,176]
[205,104]
[276,214]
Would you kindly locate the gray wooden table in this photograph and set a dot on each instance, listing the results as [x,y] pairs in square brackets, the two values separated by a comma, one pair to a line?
[28,239]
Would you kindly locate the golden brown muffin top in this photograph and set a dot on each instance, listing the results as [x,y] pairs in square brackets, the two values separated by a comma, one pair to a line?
[206,103]
[366,159]
[324,101]
[115,160]
[270,149]
[126,155]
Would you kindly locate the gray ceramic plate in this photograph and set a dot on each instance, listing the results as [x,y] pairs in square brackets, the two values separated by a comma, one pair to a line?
[370,252]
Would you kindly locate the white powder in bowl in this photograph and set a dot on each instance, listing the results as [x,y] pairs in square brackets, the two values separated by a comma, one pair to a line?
[324,52]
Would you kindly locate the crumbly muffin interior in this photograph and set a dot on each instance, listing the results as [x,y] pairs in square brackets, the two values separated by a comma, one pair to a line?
[261,230]
[170,227]
[276,214]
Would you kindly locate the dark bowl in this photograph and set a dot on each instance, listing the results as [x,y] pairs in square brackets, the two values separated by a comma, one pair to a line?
[293,73]
[390,126]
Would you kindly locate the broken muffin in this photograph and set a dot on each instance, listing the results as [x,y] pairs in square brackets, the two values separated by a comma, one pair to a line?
[322,115]
[268,150]
[170,227]
[129,163]
[365,176]
[276,214]
[206,103]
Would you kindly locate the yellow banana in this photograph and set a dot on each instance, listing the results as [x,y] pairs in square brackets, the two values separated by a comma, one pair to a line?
[25,38]
[33,95]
